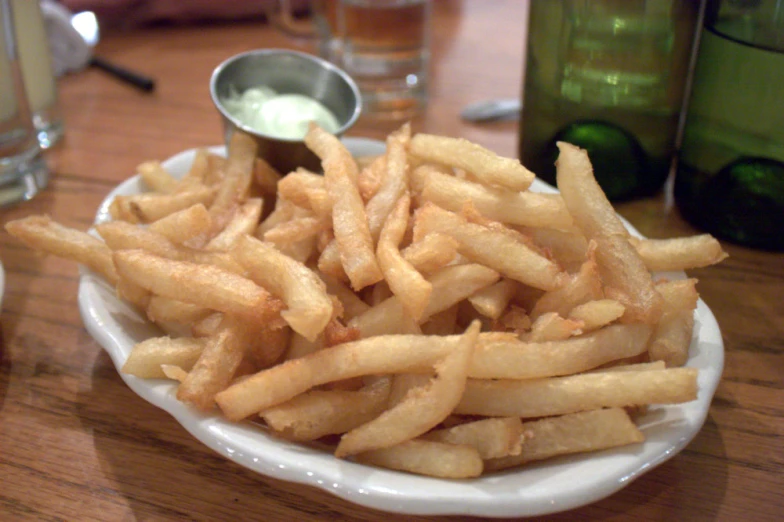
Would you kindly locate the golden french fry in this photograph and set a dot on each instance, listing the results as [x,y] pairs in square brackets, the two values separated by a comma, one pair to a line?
[568,248]
[423,457]
[432,252]
[329,262]
[184,226]
[672,337]
[295,230]
[682,253]
[165,310]
[490,168]
[420,411]
[395,182]
[266,177]
[295,185]
[309,306]
[454,283]
[349,218]
[580,288]
[506,206]
[146,357]
[371,176]
[552,327]
[223,352]
[589,391]
[325,412]
[404,281]
[197,173]
[492,438]
[515,319]
[42,234]
[491,248]
[621,267]
[493,300]
[574,433]
[597,313]
[173,372]
[385,318]
[511,358]
[207,326]
[203,285]
[133,293]
[120,235]
[156,178]
[233,188]
[378,355]
[146,208]
[244,221]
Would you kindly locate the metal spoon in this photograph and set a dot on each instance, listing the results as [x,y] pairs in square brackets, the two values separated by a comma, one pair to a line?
[86,24]
[492,110]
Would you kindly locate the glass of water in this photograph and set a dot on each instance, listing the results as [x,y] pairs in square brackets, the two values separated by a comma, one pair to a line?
[23,171]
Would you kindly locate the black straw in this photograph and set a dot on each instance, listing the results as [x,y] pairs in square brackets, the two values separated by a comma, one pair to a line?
[139,81]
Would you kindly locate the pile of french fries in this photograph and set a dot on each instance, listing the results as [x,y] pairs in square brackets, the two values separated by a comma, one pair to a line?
[421,310]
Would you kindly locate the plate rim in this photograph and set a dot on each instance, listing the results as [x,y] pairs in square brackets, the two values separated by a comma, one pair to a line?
[219,434]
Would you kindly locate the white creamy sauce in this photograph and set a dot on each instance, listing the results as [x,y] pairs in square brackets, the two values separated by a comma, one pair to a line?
[280,115]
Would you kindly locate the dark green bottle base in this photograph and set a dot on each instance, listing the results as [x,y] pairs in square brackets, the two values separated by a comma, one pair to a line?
[621,166]
[743,203]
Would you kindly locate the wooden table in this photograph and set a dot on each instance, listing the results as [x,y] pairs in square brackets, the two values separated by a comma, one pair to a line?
[77,444]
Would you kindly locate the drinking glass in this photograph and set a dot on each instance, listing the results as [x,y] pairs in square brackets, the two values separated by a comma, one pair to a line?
[23,171]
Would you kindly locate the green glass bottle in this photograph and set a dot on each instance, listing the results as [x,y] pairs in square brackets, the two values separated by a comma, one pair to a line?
[608,76]
[730,178]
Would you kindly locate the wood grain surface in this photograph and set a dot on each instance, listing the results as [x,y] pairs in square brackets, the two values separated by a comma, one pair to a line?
[77,444]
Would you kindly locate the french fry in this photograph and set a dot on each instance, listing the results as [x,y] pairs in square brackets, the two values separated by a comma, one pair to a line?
[371,177]
[203,285]
[505,358]
[419,411]
[149,207]
[491,248]
[317,413]
[120,235]
[266,177]
[244,221]
[672,337]
[404,281]
[222,354]
[580,288]
[295,230]
[156,178]
[309,306]
[552,327]
[42,234]
[597,313]
[621,267]
[233,188]
[349,219]
[184,226]
[432,252]
[493,300]
[352,305]
[295,185]
[490,168]
[394,184]
[506,206]
[146,357]
[423,457]
[166,310]
[381,354]
[574,433]
[590,391]
[682,253]
[492,438]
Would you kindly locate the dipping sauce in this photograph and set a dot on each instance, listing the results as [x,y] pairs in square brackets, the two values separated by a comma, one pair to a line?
[284,116]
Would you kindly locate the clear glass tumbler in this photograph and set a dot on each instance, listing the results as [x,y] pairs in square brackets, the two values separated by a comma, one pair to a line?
[23,171]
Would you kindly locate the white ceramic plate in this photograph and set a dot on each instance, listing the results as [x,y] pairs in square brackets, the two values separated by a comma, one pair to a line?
[551,486]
